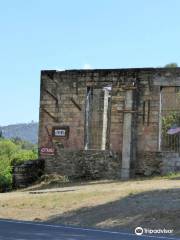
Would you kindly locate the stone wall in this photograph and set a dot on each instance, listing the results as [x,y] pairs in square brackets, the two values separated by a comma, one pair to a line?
[24,174]
[63,103]
[170,163]
[148,163]
[154,163]
[89,164]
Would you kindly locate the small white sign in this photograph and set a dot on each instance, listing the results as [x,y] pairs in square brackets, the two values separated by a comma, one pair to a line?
[60,132]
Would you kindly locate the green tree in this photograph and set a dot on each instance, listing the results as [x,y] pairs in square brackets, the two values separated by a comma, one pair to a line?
[171,65]
[8,148]
[12,152]
[23,155]
[5,173]
[1,134]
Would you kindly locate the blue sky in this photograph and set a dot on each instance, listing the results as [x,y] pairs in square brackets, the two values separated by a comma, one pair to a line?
[66,34]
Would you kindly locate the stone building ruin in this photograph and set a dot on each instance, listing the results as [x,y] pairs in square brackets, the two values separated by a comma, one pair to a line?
[110,123]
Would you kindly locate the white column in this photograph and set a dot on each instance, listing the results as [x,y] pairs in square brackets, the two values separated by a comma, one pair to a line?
[87,111]
[105,118]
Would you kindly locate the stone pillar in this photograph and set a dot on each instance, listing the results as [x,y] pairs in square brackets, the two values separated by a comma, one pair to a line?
[127,135]
[160,120]
[105,119]
[88,115]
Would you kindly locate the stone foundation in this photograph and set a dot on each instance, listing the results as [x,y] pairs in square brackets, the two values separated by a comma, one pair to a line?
[84,164]
[92,165]
[153,163]
[170,163]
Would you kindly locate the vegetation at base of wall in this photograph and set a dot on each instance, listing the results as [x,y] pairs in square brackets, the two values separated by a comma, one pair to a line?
[12,152]
[53,180]
[172,175]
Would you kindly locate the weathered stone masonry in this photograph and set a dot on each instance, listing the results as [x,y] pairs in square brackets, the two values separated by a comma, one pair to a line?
[103,123]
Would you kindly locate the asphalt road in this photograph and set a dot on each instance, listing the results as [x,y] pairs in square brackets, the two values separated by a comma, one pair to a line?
[18,230]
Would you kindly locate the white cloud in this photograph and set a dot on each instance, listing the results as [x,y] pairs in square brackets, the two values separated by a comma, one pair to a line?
[87,66]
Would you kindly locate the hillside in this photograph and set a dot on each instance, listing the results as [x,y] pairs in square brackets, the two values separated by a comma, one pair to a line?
[25,131]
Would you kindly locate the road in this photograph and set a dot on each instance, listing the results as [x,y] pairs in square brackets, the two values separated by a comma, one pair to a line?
[20,230]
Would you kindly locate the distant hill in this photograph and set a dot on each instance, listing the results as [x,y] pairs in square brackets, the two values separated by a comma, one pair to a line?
[25,131]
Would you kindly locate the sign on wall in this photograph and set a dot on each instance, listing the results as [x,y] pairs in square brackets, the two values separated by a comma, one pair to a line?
[47,151]
[60,132]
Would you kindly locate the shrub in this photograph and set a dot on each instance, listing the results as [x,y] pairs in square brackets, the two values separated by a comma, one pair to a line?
[5,174]
[11,153]
[8,148]
[23,155]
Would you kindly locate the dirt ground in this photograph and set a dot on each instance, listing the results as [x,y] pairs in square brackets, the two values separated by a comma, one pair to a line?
[152,203]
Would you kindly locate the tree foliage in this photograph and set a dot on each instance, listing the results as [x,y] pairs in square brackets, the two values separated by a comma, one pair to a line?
[12,152]
[168,121]
[171,65]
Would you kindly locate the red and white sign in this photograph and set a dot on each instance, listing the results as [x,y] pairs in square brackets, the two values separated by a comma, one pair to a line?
[47,151]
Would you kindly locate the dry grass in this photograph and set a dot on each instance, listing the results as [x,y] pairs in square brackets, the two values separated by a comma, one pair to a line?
[107,204]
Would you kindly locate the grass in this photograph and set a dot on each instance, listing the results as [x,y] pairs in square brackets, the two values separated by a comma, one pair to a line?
[107,204]
[172,176]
